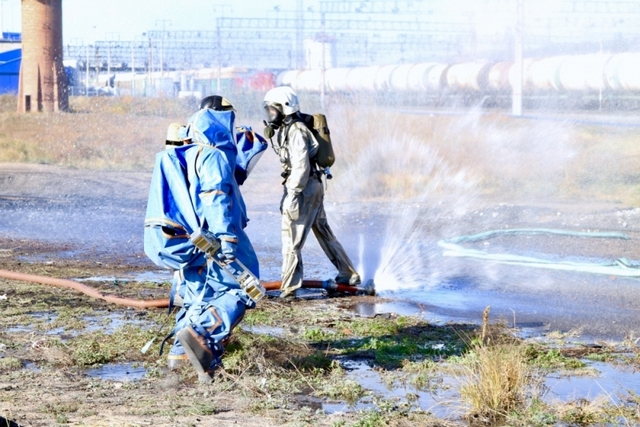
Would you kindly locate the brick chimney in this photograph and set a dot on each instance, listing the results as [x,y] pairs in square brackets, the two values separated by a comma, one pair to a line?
[43,83]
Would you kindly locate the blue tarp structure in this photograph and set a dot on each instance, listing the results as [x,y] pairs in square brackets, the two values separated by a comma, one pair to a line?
[10,71]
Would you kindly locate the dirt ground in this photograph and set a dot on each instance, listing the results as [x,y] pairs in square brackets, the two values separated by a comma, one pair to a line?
[69,223]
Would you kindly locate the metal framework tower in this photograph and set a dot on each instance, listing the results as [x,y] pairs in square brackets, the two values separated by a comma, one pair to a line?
[43,84]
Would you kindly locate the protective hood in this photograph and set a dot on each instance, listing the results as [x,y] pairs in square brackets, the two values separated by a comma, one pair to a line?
[250,146]
[171,215]
[216,129]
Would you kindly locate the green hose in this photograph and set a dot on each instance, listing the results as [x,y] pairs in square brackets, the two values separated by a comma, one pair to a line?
[618,267]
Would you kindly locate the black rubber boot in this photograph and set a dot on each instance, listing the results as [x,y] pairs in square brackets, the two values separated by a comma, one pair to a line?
[198,353]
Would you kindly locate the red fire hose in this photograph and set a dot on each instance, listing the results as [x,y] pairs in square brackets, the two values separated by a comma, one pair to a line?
[368,289]
[87,290]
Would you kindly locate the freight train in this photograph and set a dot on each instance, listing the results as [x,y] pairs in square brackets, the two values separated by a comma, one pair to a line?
[557,78]
[569,73]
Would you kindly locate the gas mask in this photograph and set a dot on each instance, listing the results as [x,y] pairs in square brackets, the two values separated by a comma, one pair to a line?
[274,115]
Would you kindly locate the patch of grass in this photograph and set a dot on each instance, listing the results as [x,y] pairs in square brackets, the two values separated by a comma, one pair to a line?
[536,414]
[419,374]
[551,358]
[10,363]
[349,391]
[583,412]
[415,342]
[101,348]
[370,419]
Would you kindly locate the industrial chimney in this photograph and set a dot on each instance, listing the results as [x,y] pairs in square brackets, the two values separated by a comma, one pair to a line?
[43,84]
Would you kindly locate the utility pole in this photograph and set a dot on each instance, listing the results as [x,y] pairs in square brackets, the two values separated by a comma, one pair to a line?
[516,106]
[299,35]
[324,66]
[110,37]
[219,9]
[219,44]
[133,68]
[86,75]
[164,23]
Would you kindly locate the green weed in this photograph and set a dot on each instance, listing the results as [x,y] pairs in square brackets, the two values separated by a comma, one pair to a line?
[551,358]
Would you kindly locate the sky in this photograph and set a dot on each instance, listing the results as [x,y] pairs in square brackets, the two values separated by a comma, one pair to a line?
[85,21]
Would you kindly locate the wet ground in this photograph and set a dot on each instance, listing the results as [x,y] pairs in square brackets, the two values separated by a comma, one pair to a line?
[98,215]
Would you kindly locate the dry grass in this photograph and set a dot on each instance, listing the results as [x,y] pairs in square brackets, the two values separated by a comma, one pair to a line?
[380,154]
[494,376]
[494,380]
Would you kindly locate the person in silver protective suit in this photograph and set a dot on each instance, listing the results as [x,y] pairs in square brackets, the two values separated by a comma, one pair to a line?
[302,205]
[193,188]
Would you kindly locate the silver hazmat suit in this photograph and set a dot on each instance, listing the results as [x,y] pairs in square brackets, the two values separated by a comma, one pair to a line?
[303,209]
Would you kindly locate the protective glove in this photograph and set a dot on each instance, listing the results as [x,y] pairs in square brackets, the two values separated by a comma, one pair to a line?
[291,206]
[227,251]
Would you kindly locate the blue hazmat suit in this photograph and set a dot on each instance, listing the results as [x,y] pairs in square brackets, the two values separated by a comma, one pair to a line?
[193,186]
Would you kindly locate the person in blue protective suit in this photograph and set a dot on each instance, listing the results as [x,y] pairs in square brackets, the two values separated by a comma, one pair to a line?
[193,187]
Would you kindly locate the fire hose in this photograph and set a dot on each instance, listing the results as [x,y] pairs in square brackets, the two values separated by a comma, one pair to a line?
[328,285]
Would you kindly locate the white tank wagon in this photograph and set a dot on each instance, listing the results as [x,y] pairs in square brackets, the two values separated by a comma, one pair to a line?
[308,80]
[286,78]
[437,78]
[583,73]
[544,74]
[418,77]
[526,75]
[399,78]
[382,81]
[622,72]
[336,79]
[471,76]
[362,79]
[499,76]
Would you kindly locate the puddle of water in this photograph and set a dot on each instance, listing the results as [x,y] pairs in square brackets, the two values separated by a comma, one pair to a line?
[46,317]
[118,372]
[273,331]
[159,276]
[610,382]
[434,402]
[402,308]
[106,322]
[613,382]
[30,366]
